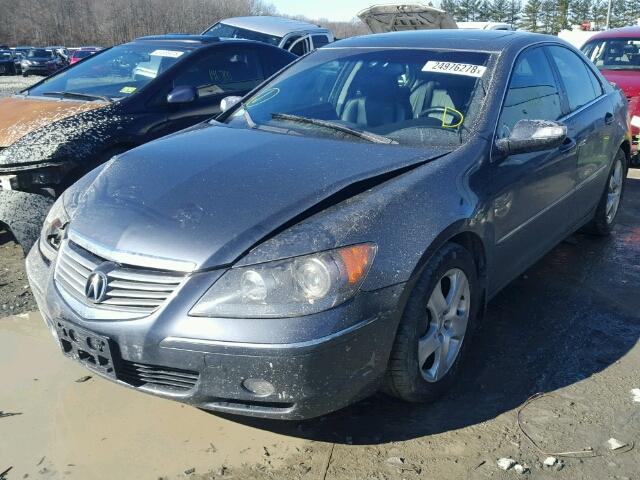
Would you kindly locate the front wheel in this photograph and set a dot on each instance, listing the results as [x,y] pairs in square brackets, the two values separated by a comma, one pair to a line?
[607,211]
[436,327]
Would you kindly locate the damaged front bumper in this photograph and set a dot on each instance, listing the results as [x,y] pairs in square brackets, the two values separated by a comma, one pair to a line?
[268,368]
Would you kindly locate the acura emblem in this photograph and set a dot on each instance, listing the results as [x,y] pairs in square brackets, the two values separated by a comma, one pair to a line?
[95,290]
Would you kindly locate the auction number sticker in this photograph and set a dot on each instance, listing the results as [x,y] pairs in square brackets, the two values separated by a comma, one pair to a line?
[455,68]
[167,53]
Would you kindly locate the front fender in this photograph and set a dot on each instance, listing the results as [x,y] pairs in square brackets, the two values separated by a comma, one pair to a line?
[25,228]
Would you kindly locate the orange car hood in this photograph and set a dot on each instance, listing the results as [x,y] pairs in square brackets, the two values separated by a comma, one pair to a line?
[20,116]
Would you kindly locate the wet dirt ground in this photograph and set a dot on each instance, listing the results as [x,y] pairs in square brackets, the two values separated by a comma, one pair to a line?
[568,327]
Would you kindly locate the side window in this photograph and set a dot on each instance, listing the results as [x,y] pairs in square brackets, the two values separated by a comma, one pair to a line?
[532,94]
[274,59]
[581,85]
[290,40]
[300,47]
[320,41]
[228,72]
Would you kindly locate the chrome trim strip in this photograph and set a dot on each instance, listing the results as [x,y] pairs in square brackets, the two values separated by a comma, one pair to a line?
[130,258]
[549,207]
[180,343]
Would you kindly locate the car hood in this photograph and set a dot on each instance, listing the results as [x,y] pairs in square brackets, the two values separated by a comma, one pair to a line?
[22,115]
[399,17]
[204,197]
[627,80]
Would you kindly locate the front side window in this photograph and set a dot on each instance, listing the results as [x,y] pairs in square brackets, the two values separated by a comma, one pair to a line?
[222,30]
[226,72]
[115,73]
[614,53]
[532,93]
[579,81]
[413,97]
[320,41]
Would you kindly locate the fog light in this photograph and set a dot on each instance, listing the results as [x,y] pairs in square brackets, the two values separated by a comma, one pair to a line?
[258,387]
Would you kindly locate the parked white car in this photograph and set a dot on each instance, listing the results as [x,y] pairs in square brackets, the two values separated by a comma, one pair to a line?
[296,36]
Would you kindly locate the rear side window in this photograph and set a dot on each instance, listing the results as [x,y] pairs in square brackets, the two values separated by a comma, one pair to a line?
[224,71]
[581,85]
[532,94]
[320,41]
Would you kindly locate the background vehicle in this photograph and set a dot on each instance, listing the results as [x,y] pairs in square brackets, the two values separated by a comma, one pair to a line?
[296,36]
[7,62]
[401,17]
[79,54]
[105,105]
[342,228]
[40,61]
[616,53]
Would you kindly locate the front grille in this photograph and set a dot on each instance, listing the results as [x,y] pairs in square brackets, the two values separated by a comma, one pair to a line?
[129,289]
[173,379]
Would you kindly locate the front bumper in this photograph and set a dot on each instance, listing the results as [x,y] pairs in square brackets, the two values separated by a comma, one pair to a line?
[39,70]
[316,374]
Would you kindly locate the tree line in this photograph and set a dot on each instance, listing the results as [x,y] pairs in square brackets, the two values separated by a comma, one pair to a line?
[545,16]
[98,22]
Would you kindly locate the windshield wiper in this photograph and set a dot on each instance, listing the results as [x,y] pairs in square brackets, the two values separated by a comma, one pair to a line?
[369,136]
[77,95]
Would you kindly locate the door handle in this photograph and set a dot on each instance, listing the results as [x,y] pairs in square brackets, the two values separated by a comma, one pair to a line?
[608,118]
[568,145]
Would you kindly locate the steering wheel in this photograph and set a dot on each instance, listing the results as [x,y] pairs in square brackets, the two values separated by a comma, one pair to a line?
[457,116]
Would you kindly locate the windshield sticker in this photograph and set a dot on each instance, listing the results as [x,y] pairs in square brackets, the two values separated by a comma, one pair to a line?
[167,53]
[128,89]
[455,68]
[263,97]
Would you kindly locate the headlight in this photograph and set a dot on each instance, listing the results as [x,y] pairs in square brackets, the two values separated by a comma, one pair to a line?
[26,62]
[53,230]
[288,288]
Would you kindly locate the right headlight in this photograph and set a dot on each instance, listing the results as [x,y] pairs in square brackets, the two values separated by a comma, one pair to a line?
[53,229]
[287,288]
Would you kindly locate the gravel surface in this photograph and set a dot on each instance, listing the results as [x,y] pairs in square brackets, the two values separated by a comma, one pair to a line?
[11,85]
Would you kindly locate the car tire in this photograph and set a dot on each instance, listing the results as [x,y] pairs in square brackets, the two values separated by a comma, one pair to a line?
[608,208]
[419,368]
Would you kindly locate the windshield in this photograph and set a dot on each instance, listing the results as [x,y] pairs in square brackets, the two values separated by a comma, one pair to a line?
[223,30]
[6,55]
[412,97]
[40,53]
[81,54]
[114,73]
[614,53]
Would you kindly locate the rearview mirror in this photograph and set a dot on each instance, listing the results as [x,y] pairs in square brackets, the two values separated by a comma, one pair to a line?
[227,102]
[532,136]
[182,94]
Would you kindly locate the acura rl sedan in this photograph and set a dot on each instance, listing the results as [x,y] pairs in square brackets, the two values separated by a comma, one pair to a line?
[340,229]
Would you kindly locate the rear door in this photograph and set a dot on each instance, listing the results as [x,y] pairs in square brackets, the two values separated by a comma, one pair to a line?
[532,191]
[590,123]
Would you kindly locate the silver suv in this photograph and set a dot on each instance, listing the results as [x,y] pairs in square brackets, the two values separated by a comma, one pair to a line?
[296,36]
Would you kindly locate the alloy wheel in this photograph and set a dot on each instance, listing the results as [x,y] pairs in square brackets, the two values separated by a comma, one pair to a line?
[447,319]
[614,191]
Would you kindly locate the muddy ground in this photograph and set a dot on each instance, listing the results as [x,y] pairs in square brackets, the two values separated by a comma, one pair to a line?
[569,327]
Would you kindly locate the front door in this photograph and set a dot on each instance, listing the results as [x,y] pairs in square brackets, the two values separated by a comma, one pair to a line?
[531,191]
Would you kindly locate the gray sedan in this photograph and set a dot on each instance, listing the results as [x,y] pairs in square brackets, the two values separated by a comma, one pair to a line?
[340,229]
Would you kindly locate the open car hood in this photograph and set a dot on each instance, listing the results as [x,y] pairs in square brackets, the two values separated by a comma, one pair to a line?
[405,16]
[204,197]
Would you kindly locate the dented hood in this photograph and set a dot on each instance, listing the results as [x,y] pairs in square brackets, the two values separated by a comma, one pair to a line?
[405,16]
[22,115]
[202,198]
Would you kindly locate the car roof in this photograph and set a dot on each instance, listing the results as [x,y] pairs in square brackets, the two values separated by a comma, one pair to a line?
[624,32]
[277,26]
[455,39]
[190,41]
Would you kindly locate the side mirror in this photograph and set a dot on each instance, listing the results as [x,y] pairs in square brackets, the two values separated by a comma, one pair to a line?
[532,136]
[227,102]
[182,94]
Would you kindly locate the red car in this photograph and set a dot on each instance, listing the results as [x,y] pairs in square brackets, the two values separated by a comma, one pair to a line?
[79,55]
[617,54]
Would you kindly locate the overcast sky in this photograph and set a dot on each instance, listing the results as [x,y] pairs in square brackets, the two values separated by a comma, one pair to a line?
[330,9]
